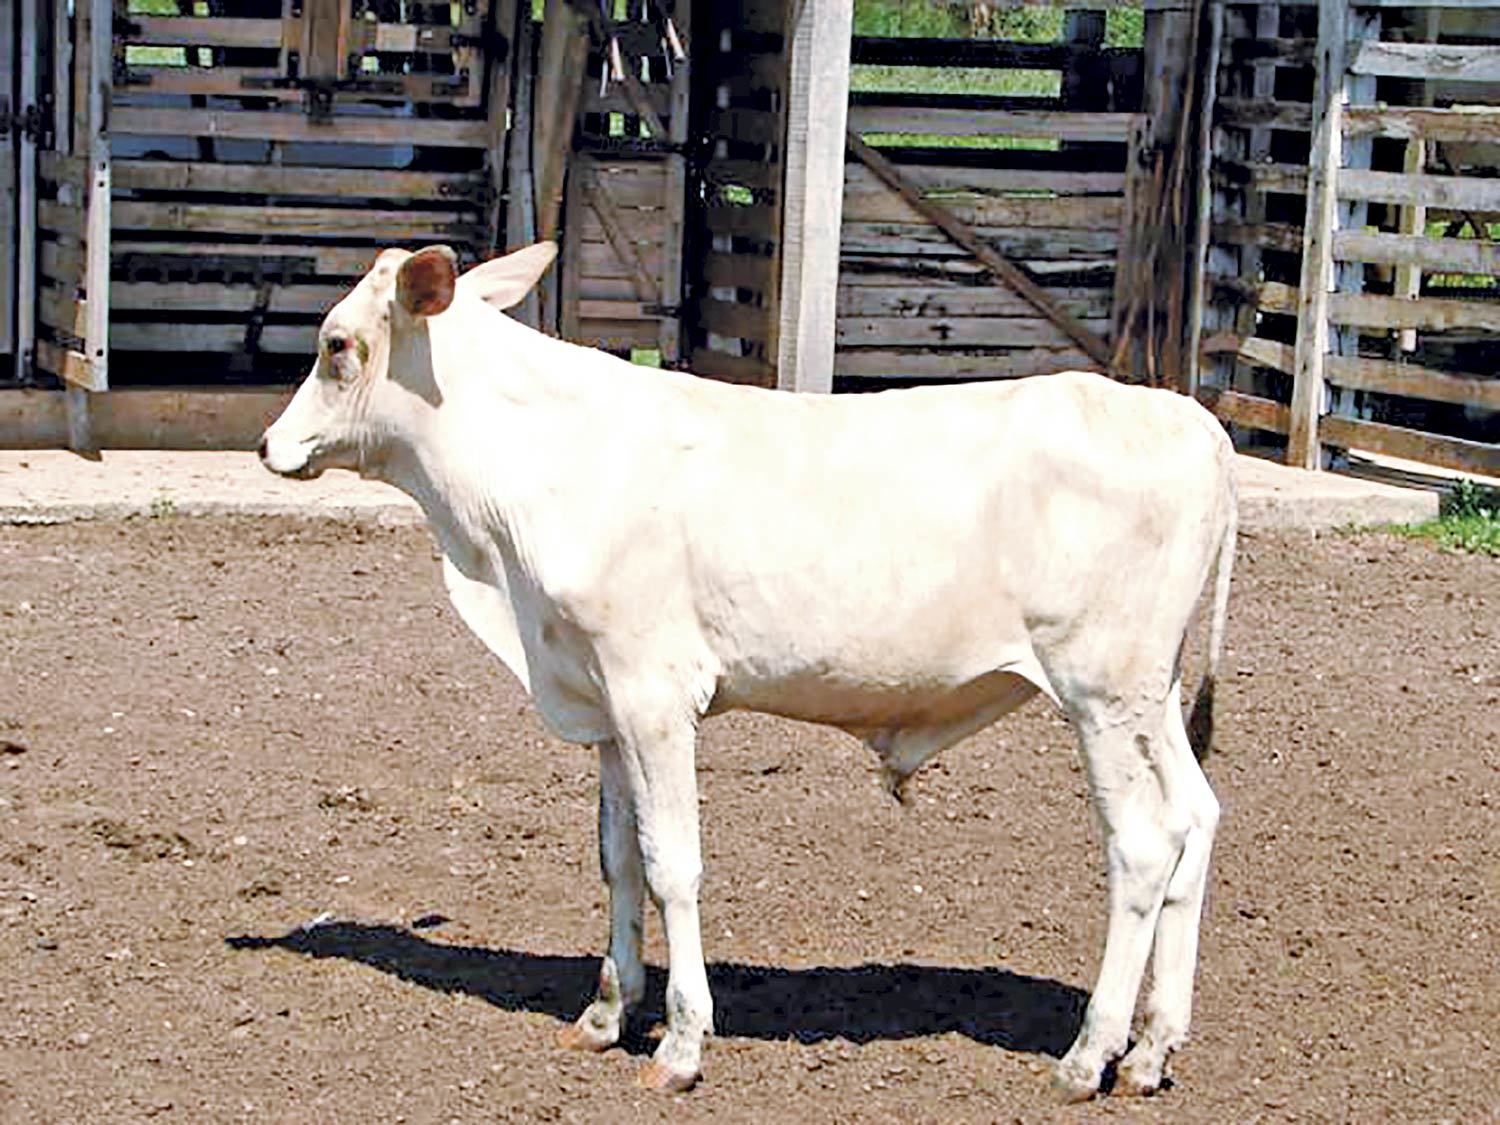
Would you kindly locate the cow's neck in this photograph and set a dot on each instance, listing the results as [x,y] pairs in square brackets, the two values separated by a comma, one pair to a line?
[511,400]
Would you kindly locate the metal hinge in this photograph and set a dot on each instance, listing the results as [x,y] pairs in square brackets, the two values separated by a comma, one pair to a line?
[30,123]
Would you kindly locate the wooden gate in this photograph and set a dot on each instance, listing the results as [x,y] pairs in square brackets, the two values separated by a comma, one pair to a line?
[220,172]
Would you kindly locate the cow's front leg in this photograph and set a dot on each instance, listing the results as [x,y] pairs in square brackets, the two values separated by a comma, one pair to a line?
[622,975]
[657,755]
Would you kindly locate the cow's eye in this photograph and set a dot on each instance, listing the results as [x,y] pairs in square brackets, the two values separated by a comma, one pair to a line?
[336,344]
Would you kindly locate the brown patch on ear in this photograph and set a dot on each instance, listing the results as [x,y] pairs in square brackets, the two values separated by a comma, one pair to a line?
[425,281]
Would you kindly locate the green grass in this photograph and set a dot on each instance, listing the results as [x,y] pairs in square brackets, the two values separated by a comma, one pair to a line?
[1468,520]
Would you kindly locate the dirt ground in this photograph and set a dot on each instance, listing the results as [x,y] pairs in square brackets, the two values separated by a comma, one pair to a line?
[279,841]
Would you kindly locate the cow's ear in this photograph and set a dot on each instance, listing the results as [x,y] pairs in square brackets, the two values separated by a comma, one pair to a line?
[504,281]
[426,281]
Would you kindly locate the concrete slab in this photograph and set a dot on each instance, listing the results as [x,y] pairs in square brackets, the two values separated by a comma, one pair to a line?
[51,486]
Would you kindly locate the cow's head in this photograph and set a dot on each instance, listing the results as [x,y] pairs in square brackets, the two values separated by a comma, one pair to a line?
[375,354]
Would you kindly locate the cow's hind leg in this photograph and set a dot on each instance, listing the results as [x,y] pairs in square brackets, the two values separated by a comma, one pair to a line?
[622,975]
[1174,957]
[1143,833]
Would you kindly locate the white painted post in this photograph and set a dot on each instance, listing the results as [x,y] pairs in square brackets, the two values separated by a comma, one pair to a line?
[817,111]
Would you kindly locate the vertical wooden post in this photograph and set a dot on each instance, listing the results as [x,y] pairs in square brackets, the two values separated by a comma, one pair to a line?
[1414,216]
[498,109]
[817,110]
[1202,197]
[26,248]
[520,204]
[1303,448]
[8,57]
[669,338]
[98,179]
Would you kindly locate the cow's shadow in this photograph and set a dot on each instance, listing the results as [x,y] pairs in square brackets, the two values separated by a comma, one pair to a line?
[860,1004]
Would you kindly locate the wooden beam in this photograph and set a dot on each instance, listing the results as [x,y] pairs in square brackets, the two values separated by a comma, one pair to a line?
[1413,445]
[1433,61]
[1435,255]
[1108,127]
[199,418]
[1470,123]
[1005,271]
[1303,448]
[817,108]
[561,72]
[1413,381]
[267,125]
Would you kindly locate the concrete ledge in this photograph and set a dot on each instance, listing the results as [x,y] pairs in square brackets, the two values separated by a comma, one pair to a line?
[52,486]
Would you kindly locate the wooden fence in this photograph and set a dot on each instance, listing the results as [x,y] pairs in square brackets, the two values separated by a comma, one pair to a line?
[1353,271]
[1038,178]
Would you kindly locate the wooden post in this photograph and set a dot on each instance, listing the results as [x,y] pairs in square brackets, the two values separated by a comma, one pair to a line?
[26,248]
[817,109]
[498,109]
[96,223]
[1202,194]
[520,208]
[8,58]
[561,70]
[669,338]
[1303,448]
[1414,217]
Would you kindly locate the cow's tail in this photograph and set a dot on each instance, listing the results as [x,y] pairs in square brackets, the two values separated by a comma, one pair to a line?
[1200,724]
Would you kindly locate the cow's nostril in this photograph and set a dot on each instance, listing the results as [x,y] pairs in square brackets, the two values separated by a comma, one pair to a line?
[260,450]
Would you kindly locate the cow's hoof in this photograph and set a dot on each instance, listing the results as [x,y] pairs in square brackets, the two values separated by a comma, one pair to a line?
[662,1076]
[1139,1075]
[1073,1083]
[586,1035]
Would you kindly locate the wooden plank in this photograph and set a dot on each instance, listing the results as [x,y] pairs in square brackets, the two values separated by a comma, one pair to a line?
[1004,270]
[984,210]
[1413,381]
[268,125]
[1271,114]
[914,51]
[1368,310]
[1412,445]
[753,220]
[599,260]
[857,299]
[1269,353]
[1442,61]
[280,339]
[200,418]
[956,332]
[68,365]
[1053,244]
[1268,236]
[1107,127]
[858,180]
[1252,411]
[281,179]
[308,300]
[728,318]
[817,105]
[737,271]
[1434,255]
[1420,190]
[1469,123]
[59,310]
[1303,449]
[747,370]
[335,261]
[618,335]
[309,222]
[214,31]
[926,363]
